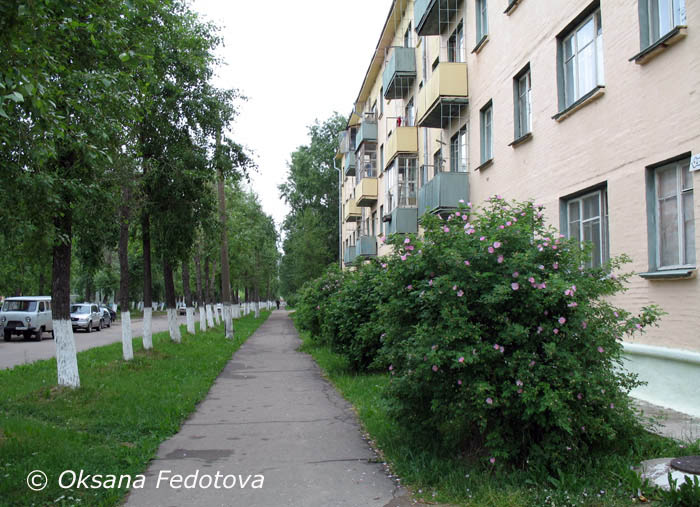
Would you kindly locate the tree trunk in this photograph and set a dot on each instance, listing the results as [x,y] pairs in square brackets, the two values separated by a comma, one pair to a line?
[225,273]
[200,299]
[147,283]
[170,301]
[207,295]
[66,357]
[189,308]
[127,346]
[42,281]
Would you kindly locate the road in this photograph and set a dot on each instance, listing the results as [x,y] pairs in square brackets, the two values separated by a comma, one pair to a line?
[19,351]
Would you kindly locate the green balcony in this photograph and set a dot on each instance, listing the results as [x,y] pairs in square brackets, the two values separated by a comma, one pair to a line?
[399,73]
[442,194]
[366,246]
[366,132]
[349,255]
[444,98]
[349,163]
[432,16]
[403,221]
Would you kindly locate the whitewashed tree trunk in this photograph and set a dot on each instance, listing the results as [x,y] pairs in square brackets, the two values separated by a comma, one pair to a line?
[257,309]
[237,311]
[228,320]
[148,328]
[173,326]
[66,358]
[202,319]
[189,311]
[210,316]
[127,344]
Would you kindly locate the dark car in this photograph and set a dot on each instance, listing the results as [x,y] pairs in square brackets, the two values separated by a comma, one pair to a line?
[112,313]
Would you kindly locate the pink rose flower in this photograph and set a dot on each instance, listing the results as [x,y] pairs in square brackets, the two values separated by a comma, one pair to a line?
[489,401]
[515,285]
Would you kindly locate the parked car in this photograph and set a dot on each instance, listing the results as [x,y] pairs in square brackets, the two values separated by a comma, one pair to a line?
[112,313]
[28,316]
[106,317]
[181,308]
[86,316]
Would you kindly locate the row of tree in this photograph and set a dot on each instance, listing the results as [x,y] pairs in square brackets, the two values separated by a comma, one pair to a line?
[111,132]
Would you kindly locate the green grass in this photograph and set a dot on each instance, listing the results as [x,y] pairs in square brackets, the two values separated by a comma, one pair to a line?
[115,422]
[436,476]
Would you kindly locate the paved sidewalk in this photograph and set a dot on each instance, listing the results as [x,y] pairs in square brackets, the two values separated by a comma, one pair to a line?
[271,413]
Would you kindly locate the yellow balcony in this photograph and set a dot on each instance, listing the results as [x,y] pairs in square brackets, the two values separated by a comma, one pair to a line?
[403,140]
[444,97]
[352,211]
[366,192]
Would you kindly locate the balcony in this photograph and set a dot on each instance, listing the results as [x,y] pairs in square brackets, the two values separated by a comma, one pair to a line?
[399,73]
[349,163]
[444,96]
[432,16]
[404,140]
[442,193]
[366,192]
[352,211]
[403,221]
[349,255]
[367,132]
[366,246]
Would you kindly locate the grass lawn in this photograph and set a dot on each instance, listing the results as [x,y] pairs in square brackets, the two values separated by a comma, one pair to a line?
[435,475]
[115,422]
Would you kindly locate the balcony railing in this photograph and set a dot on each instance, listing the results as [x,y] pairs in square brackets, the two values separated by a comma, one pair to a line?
[404,140]
[367,131]
[402,221]
[349,163]
[399,73]
[444,97]
[349,255]
[433,16]
[366,191]
[443,193]
[352,212]
[366,246]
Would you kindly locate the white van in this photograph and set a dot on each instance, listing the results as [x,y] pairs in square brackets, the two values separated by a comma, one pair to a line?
[28,316]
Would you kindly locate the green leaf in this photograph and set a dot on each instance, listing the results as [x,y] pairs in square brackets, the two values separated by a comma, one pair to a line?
[15,97]
[124,57]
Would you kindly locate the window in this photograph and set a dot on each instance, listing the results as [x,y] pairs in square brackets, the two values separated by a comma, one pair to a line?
[381,158]
[407,39]
[381,220]
[410,114]
[581,63]
[673,216]
[438,161]
[658,17]
[487,132]
[381,101]
[587,220]
[458,151]
[402,183]
[482,21]
[366,161]
[455,45]
[522,87]
[375,224]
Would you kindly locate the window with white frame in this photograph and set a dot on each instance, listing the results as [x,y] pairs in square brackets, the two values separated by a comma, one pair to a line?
[455,45]
[407,37]
[402,183]
[458,151]
[522,86]
[486,132]
[482,20]
[366,161]
[587,220]
[674,215]
[658,17]
[581,59]
[410,114]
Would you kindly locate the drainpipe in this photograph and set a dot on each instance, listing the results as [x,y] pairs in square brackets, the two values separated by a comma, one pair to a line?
[340,216]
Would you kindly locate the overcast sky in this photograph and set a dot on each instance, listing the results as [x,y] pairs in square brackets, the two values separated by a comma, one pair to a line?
[296,62]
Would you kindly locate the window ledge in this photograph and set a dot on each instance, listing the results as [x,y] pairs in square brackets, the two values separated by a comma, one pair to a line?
[511,6]
[486,164]
[594,94]
[660,45]
[670,274]
[481,44]
[520,140]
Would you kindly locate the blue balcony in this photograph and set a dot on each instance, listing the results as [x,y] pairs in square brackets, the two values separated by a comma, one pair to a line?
[399,73]
[403,221]
[349,255]
[349,163]
[366,132]
[366,246]
[433,16]
[443,193]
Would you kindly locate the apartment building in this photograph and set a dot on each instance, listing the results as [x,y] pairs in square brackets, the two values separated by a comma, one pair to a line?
[591,108]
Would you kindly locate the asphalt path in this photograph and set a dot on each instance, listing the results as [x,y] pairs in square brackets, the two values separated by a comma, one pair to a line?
[19,351]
